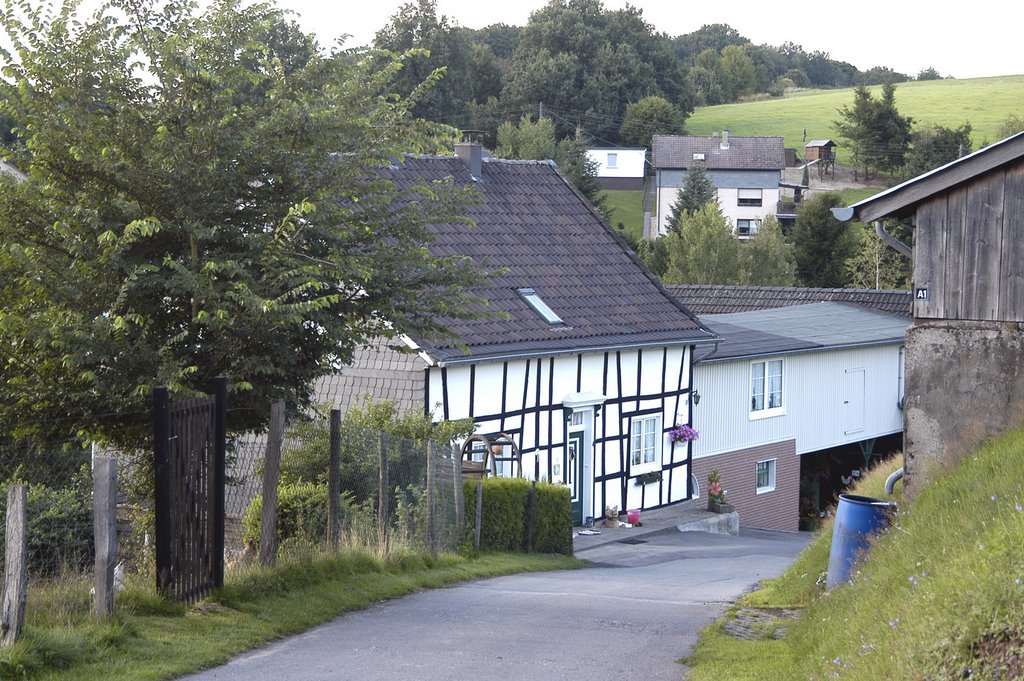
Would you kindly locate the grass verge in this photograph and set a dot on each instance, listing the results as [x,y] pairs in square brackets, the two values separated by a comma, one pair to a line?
[939,596]
[146,636]
[627,210]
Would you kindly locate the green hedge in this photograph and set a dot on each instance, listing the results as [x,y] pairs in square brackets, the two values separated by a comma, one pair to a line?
[301,513]
[504,517]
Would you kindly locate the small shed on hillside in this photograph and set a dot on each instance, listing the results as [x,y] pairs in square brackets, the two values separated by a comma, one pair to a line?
[966,347]
[819,150]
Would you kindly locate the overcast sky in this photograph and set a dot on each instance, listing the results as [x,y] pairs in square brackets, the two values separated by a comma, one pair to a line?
[981,38]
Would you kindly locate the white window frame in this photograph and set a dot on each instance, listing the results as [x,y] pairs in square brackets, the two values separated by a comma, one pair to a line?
[613,160]
[769,468]
[760,383]
[750,198]
[645,443]
[753,226]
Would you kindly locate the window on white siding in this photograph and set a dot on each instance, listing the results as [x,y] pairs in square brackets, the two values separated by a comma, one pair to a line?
[645,441]
[746,228]
[765,476]
[766,388]
[748,197]
[613,160]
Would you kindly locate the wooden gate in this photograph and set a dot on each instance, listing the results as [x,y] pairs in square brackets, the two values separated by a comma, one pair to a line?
[189,439]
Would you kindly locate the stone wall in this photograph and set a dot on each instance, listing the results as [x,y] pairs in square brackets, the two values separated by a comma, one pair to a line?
[964,383]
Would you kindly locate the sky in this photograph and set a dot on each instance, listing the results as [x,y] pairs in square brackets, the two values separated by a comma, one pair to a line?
[980,39]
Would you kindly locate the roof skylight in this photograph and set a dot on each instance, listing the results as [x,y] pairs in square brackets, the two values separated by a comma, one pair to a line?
[539,306]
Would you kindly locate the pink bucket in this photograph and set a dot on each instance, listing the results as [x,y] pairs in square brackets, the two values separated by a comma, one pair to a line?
[633,516]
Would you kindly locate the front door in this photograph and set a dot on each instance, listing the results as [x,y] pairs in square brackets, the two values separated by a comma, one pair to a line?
[574,474]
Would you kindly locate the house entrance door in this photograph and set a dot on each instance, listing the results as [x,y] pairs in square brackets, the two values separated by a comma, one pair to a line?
[574,474]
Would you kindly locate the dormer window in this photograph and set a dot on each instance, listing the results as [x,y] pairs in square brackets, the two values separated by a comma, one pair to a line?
[539,306]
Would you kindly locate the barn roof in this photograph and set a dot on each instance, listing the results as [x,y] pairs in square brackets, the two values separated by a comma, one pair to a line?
[719,299]
[550,241]
[743,153]
[802,328]
[902,200]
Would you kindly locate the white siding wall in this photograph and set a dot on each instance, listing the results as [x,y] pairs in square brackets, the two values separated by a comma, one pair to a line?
[629,163]
[652,381]
[815,387]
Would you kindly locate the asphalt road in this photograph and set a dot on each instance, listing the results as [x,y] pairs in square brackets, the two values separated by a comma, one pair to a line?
[631,616]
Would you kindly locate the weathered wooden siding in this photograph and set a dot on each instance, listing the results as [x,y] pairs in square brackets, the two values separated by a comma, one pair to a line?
[968,253]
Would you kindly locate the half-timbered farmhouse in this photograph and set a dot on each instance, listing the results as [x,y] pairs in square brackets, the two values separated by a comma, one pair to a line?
[965,350]
[589,369]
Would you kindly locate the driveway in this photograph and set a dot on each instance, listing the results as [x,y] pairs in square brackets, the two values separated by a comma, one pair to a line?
[630,616]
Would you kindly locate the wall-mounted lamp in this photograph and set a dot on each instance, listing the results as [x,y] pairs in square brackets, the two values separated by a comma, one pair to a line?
[567,412]
[695,396]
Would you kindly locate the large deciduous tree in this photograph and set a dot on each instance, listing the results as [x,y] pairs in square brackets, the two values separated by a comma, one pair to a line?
[768,259]
[195,205]
[649,117]
[704,251]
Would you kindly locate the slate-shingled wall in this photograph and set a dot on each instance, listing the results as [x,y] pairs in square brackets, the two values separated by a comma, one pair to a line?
[380,373]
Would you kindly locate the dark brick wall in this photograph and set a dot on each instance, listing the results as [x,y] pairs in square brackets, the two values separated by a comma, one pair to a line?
[776,510]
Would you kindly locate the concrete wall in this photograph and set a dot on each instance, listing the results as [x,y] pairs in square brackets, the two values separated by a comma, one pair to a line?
[964,383]
[775,510]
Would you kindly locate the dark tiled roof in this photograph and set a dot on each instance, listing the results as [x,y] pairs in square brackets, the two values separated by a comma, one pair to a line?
[702,300]
[744,153]
[799,328]
[533,223]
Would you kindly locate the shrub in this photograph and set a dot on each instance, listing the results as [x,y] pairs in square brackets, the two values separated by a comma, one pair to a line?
[504,514]
[301,513]
[552,530]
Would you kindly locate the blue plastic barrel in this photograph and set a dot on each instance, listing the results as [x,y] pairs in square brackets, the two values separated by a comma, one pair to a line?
[857,519]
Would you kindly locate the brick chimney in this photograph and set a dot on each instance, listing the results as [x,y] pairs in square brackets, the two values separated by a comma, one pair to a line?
[472,155]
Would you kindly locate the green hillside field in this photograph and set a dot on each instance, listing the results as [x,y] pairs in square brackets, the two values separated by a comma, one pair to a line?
[983,102]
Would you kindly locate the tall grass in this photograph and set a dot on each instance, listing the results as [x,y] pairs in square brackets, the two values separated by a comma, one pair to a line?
[983,102]
[940,596]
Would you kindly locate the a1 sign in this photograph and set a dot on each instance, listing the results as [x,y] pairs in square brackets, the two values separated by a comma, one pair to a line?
[921,294]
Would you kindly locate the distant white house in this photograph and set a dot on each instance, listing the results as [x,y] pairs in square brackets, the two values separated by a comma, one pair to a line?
[620,168]
[746,171]
[789,382]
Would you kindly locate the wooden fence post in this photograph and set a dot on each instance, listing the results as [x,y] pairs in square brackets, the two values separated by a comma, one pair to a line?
[383,507]
[12,612]
[271,474]
[479,513]
[460,509]
[104,513]
[531,515]
[334,481]
[431,482]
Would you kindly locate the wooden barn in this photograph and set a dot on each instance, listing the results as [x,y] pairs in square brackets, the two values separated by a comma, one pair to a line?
[587,365]
[965,349]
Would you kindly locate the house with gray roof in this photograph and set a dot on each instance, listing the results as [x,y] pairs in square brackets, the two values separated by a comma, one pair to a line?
[585,361]
[785,383]
[746,171]
[703,299]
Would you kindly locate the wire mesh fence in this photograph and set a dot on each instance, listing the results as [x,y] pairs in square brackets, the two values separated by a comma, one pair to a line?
[388,494]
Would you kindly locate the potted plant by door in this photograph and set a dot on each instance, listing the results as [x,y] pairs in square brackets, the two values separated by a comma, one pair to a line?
[716,493]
